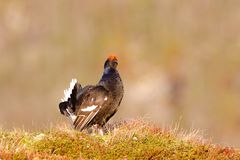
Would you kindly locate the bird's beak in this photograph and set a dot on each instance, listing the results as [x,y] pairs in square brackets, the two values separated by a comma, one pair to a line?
[114,63]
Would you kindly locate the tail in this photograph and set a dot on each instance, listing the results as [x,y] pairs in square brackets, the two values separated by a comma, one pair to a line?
[67,104]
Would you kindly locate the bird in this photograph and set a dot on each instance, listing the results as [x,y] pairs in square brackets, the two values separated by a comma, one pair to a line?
[93,105]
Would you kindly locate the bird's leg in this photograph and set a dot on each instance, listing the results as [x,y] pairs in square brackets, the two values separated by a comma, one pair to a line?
[100,131]
[96,129]
[93,130]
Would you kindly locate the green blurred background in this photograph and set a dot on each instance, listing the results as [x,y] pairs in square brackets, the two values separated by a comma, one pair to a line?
[179,60]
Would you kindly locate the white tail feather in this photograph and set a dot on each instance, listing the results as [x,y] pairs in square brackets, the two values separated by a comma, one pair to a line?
[68,91]
[72,116]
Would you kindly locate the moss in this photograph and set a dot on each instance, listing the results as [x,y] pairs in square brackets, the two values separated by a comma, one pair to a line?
[132,140]
[72,145]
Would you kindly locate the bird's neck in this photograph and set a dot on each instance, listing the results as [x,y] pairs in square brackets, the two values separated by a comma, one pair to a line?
[110,79]
[109,71]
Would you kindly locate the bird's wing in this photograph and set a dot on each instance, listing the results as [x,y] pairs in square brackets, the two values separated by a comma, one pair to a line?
[92,101]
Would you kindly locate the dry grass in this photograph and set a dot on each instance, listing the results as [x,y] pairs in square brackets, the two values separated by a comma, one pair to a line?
[135,139]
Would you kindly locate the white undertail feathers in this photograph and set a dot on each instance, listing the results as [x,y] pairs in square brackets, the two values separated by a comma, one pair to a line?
[68,91]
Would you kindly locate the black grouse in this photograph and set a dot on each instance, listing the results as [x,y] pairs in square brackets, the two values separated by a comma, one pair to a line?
[94,105]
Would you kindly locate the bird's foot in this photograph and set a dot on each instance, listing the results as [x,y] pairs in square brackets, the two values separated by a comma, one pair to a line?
[96,130]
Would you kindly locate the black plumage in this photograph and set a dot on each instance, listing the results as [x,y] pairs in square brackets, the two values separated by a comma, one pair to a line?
[94,105]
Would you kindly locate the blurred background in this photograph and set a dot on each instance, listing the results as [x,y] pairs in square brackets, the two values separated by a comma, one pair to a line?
[179,60]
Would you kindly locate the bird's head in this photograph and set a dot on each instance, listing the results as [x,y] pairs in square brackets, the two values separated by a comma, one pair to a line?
[111,62]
